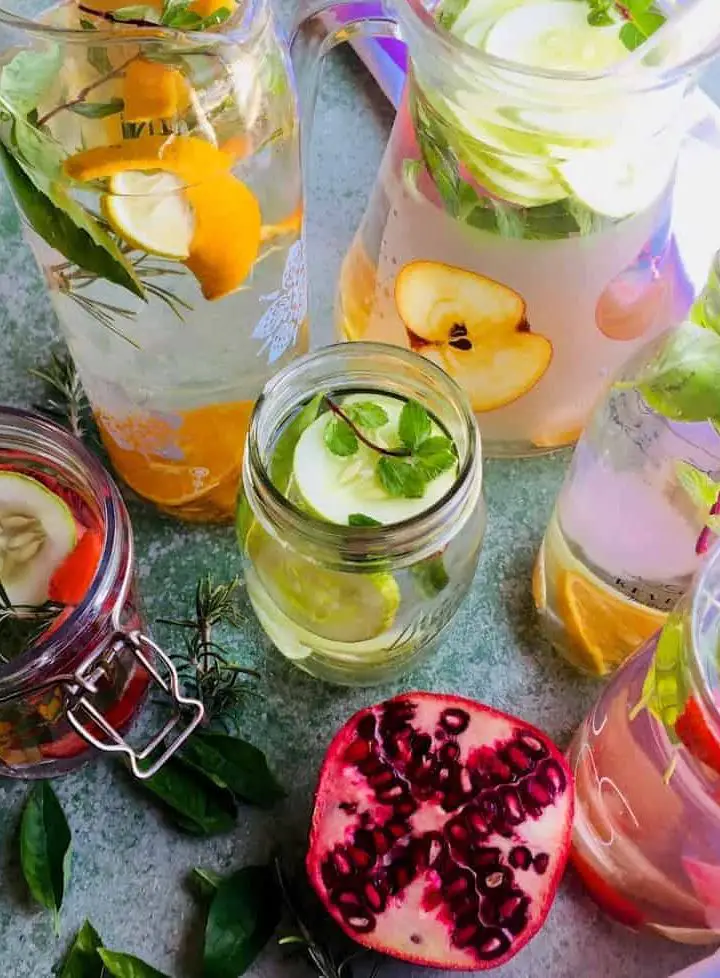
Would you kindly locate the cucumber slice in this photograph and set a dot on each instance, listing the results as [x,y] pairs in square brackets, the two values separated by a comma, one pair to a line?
[556,35]
[618,184]
[516,180]
[335,487]
[37,532]
[335,605]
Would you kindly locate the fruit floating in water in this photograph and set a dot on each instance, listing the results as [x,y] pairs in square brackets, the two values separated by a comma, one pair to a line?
[441,831]
[475,329]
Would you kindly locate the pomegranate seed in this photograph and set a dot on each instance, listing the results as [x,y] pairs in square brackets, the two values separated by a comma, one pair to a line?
[541,863]
[520,857]
[359,750]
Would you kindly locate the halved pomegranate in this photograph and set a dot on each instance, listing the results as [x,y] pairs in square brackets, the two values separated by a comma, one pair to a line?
[441,831]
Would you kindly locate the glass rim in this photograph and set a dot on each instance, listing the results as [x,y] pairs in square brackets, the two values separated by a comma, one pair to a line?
[239,27]
[705,671]
[415,16]
[332,536]
[116,529]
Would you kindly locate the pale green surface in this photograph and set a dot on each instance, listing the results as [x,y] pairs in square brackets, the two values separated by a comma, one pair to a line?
[129,868]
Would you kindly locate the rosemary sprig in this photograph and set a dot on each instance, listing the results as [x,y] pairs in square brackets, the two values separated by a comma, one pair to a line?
[205,667]
[22,624]
[319,956]
[65,400]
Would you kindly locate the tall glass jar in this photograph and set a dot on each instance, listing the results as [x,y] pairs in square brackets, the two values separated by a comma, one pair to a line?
[647,766]
[632,521]
[82,682]
[359,605]
[155,164]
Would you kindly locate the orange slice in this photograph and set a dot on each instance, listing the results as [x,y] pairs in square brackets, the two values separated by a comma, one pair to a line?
[227,219]
[154,91]
[605,626]
[188,463]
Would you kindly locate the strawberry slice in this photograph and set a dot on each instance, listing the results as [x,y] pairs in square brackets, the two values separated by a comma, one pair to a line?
[614,904]
[694,731]
[72,578]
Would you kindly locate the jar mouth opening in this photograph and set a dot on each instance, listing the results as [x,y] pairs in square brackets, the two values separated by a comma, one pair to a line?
[358,543]
[109,508]
[417,20]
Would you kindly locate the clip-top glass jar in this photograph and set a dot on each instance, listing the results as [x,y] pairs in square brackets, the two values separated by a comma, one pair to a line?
[81,682]
[361,603]
[647,763]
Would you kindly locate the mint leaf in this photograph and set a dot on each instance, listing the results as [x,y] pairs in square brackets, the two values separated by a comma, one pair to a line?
[681,382]
[98,110]
[360,519]
[340,438]
[29,75]
[400,478]
[631,37]
[415,424]
[366,414]
[435,456]
[430,576]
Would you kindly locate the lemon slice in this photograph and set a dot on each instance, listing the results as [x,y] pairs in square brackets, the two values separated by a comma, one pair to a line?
[150,212]
[335,605]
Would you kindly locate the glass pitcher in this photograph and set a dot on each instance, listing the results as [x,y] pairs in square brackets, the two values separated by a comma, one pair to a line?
[646,838]
[519,233]
[153,154]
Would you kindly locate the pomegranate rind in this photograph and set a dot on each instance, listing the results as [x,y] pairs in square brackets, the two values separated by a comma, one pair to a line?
[418,919]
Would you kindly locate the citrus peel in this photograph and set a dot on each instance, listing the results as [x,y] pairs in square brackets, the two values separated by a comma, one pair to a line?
[227,219]
[154,91]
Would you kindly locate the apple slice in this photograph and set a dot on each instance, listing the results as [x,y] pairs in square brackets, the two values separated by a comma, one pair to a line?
[474,328]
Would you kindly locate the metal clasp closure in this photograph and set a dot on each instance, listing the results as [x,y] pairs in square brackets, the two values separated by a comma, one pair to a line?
[188,713]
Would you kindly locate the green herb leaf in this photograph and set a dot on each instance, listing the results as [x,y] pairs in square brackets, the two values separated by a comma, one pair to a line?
[126,966]
[360,519]
[98,110]
[366,414]
[281,465]
[340,438]
[194,803]
[28,77]
[698,485]
[234,764]
[435,456]
[82,959]
[431,576]
[631,37]
[414,425]
[665,691]
[449,12]
[205,881]
[400,478]
[681,382]
[66,226]
[243,915]
[99,59]
[136,12]
[45,848]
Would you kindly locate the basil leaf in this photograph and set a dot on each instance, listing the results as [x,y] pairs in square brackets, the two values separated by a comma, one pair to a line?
[281,464]
[360,519]
[29,75]
[681,382]
[82,959]
[243,915]
[400,479]
[340,438]
[45,848]
[194,803]
[127,966]
[414,425]
[431,576]
[366,414]
[233,763]
[435,456]
[98,110]
[67,227]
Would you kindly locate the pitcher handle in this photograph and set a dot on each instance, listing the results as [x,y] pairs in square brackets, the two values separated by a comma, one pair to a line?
[316,34]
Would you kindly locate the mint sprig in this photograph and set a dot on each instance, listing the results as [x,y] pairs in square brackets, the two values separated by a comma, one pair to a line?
[640,16]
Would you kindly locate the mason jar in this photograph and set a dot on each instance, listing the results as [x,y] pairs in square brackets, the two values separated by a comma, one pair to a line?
[360,604]
[77,686]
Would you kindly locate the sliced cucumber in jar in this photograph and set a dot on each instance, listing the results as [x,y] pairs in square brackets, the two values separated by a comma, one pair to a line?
[336,487]
[516,180]
[37,532]
[336,605]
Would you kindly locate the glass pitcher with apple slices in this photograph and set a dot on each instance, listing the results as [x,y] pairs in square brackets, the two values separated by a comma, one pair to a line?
[519,233]
[152,151]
